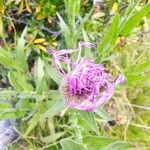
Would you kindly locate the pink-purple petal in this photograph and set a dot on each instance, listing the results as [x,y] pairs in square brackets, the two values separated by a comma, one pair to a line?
[87,85]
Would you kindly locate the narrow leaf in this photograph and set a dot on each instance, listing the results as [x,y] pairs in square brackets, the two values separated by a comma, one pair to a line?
[39,70]
[134,20]
[140,68]
[20,51]
[109,40]
[118,146]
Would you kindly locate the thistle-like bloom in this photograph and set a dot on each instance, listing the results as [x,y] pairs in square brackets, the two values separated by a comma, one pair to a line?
[85,85]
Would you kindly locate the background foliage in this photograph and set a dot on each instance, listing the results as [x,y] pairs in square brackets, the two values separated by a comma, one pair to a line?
[28,28]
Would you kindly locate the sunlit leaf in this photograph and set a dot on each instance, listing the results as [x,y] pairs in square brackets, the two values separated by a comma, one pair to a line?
[11,113]
[1,26]
[41,48]
[39,40]
[28,6]
[72,9]
[133,21]
[139,69]
[97,142]
[20,7]
[109,40]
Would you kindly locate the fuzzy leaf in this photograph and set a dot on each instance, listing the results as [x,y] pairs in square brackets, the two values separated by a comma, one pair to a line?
[89,119]
[53,73]
[54,109]
[103,114]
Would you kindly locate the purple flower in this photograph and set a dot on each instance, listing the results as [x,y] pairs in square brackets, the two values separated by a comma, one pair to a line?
[85,85]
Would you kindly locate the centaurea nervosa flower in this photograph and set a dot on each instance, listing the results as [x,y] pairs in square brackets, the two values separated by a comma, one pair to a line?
[85,85]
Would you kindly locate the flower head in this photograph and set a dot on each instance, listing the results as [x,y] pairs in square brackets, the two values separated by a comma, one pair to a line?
[85,85]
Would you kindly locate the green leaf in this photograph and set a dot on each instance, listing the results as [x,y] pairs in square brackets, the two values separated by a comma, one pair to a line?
[104,143]
[133,21]
[32,124]
[54,109]
[39,76]
[20,52]
[11,113]
[66,31]
[53,73]
[25,104]
[13,81]
[63,24]
[52,138]
[6,94]
[72,10]
[138,69]
[95,142]
[4,105]
[69,144]
[118,146]
[39,71]
[7,60]
[70,33]
[103,114]
[109,40]
[133,79]
[54,95]
[8,112]
[87,51]
[131,8]
[88,118]
[17,80]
